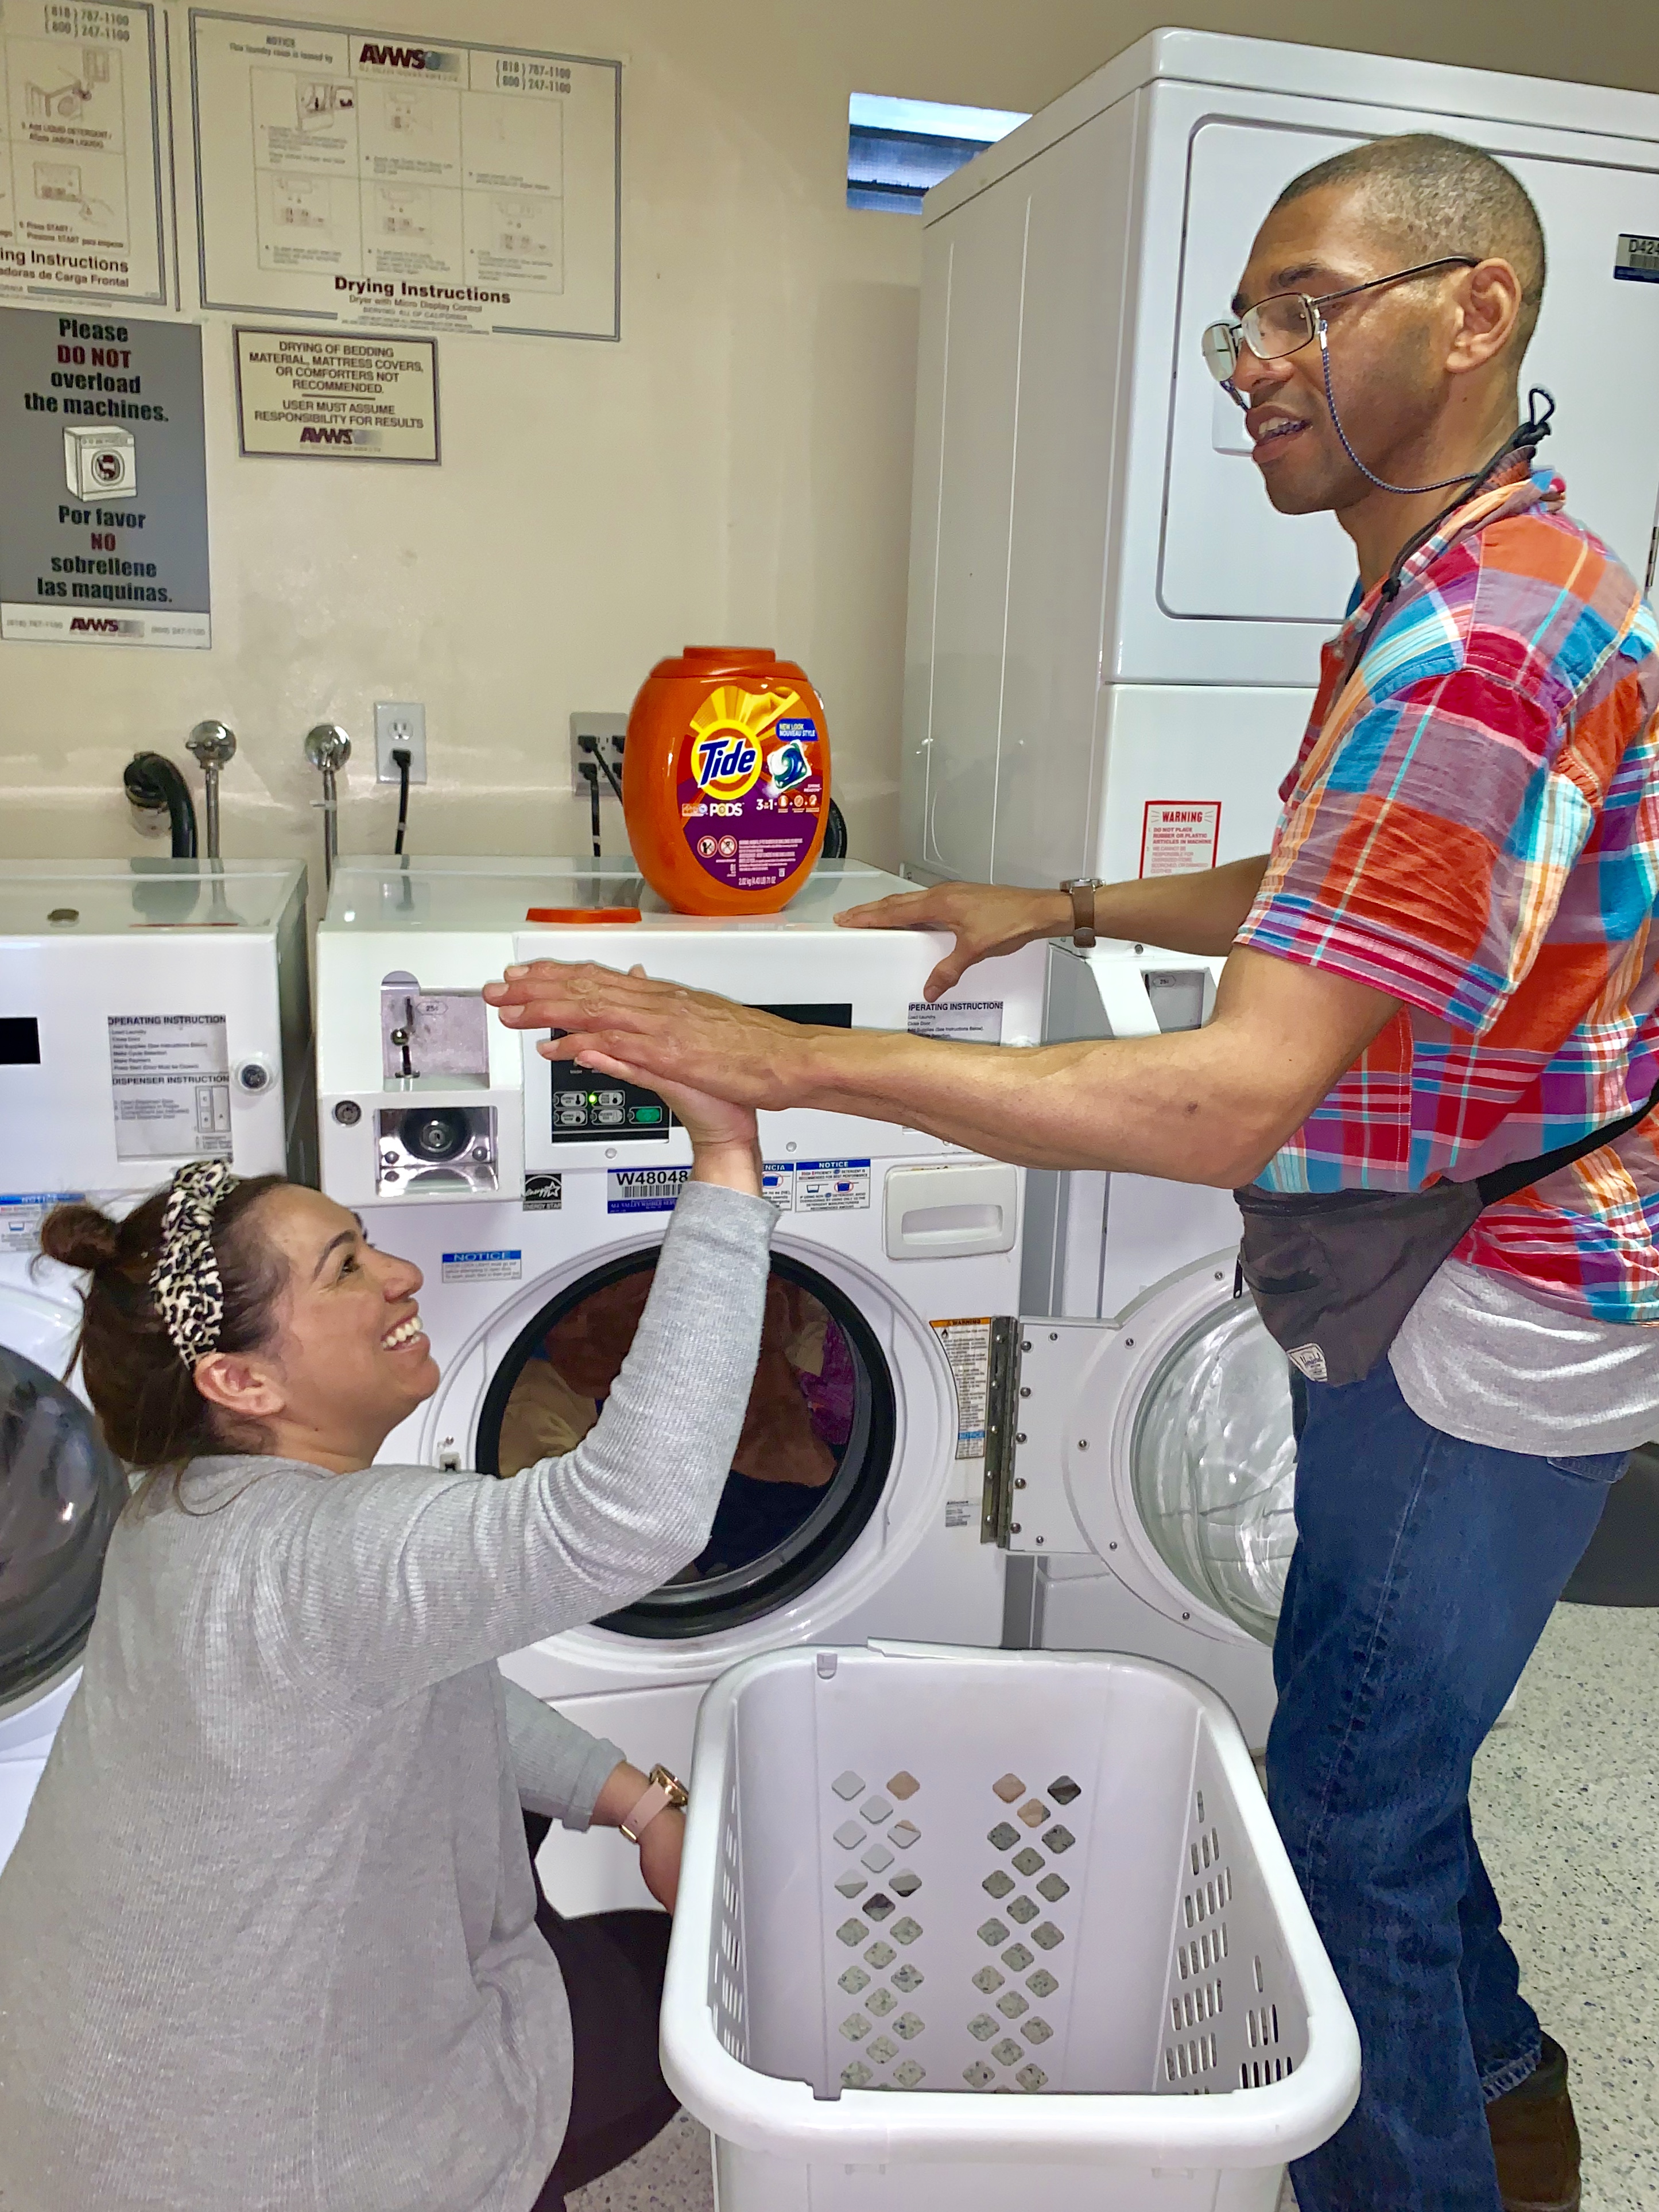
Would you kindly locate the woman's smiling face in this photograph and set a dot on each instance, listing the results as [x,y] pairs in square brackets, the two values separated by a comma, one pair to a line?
[349,1359]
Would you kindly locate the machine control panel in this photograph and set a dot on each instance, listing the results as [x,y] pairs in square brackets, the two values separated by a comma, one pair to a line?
[586,1106]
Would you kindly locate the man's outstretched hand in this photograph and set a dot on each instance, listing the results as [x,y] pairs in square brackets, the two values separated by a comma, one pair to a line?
[985,919]
[653,1033]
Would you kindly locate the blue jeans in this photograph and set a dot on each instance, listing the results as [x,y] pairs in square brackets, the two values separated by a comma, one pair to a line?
[1424,1572]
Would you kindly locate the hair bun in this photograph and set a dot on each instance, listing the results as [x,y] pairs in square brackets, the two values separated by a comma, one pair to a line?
[81,1236]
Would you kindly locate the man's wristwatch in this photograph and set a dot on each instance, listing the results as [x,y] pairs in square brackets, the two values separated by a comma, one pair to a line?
[1083,890]
[665,1789]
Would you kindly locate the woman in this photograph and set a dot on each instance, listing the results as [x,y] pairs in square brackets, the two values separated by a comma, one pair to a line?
[269,1940]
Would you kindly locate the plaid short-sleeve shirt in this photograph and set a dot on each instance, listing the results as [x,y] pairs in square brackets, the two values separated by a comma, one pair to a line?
[1472,826]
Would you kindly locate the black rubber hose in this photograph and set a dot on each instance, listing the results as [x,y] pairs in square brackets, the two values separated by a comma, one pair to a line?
[400,754]
[152,781]
[835,834]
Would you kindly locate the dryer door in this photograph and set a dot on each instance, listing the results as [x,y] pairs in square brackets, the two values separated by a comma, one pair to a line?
[1161,1443]
[812,1462]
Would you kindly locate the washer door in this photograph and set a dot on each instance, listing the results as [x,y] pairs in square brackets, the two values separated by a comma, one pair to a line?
[1195,1510]
[811,1465]
[61,1493]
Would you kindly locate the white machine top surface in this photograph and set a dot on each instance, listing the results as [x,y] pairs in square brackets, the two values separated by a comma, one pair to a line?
[497,893]
[1218,59]
[98,897]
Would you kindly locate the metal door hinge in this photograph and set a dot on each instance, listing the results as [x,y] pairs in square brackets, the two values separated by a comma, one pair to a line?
[1001,1442]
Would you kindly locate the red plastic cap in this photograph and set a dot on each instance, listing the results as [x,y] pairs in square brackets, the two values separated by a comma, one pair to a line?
[581,913]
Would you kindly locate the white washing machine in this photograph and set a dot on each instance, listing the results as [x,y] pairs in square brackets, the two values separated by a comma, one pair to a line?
[534,1202]
[150,1012]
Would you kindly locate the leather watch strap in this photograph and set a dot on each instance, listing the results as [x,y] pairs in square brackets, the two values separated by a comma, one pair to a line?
[663,1790]
[1082,890]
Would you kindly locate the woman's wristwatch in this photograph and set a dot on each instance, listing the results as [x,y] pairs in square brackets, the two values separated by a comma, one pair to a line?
[665,1790]
[1082,890]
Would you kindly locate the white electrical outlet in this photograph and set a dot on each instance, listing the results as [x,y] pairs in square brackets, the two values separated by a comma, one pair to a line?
[399,724]
[608,731]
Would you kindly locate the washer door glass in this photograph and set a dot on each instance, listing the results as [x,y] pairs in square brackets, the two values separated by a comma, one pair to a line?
[810,1463]
[1213,1465]
[61,1493]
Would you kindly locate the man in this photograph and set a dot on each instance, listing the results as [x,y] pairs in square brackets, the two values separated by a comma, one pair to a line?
[1443,966]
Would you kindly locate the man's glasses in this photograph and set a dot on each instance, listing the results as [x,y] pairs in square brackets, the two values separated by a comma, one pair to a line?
[1284,322]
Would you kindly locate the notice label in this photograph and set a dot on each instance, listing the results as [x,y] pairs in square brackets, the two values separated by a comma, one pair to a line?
[831,1186]
[22,1213]
[543,1194]
[965,1021]
[337,399]
[778,1183]
[643,1190]
[967,1347]
[1637,261]
[1179,837]
[170,1086]
[104,463]
[482,1267]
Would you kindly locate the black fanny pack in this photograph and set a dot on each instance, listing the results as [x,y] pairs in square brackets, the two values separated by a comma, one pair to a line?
[1335,1273]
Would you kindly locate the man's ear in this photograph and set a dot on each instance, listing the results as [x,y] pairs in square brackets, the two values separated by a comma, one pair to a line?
[242,1384]
[1491,308]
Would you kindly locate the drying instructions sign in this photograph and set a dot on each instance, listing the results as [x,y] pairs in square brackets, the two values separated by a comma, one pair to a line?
[387,180]
[967,1348]
[170,1086]
[104,463]
[337,399]
[81,168]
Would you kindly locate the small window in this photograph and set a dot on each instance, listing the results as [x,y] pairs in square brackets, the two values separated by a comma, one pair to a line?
[898,149]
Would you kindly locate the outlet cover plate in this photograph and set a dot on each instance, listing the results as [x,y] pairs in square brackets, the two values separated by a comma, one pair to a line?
[400,722]
[610,730]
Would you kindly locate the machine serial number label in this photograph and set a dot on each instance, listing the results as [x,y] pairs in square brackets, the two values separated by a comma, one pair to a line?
[643,1190]
[1636,260]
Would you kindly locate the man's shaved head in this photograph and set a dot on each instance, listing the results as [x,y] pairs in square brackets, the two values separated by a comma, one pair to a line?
[1432,196]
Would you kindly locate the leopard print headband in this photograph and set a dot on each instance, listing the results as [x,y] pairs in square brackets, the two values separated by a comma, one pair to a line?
[186,1285]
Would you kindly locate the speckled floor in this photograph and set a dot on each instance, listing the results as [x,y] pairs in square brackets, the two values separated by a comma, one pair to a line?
[1566,1798]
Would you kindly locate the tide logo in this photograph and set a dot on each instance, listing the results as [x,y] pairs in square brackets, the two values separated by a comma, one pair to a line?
[725,739]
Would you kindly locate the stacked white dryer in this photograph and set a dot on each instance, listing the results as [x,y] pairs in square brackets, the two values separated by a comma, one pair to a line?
[151,1011]
[1085,501]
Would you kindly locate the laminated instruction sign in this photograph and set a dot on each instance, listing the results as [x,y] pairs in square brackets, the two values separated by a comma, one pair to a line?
[337,399]
[103,528]
[381,181]
[81,173]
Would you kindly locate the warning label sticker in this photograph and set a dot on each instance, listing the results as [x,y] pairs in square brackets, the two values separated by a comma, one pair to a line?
[643,1190]
[22,1213]
[1180,837]
[964,1021]
[967,1346]
[831,1186]
[482,1267]
[170,1086]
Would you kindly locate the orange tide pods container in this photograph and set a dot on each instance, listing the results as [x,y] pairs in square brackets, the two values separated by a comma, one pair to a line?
[725,780]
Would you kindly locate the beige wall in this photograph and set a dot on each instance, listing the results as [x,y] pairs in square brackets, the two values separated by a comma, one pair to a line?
[738,469]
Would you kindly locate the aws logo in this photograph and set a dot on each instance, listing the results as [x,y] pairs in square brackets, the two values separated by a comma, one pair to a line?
[431,61]
[314,434]
[102,625]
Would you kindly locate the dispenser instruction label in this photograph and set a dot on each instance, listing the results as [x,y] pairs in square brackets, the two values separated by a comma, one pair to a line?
[1180,837]
[964,1021]
[643,1190]
[81,167]
[967,1348]
[500,1266]
[390,182]
[831,1186]
[170,1086]
[22,1213]
[103,459]
[778,1183]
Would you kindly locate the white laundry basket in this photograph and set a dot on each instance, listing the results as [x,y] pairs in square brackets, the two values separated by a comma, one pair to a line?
[913,1873]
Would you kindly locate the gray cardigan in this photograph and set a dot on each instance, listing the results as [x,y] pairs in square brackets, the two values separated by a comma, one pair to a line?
[268,1940]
